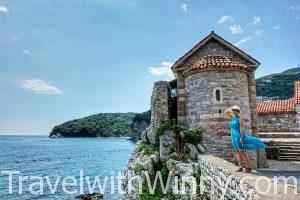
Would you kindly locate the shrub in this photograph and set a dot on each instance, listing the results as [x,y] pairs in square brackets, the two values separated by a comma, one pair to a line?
[146,195]
[184,157]
[198,177]
[138,169]
[160,130]
[192,136]
[148,149]
[164,173]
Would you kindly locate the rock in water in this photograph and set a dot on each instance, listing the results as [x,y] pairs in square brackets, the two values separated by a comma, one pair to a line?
[93,196]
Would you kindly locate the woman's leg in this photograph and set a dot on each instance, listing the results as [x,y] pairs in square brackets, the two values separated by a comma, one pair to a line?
[240,160]
[247,159]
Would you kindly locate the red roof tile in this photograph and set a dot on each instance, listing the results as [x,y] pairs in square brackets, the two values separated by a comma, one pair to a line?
[213,35]
[297,92]
[213,62]
[278,106]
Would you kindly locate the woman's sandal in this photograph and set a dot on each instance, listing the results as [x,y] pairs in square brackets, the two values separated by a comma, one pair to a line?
[239,170]
[248,170]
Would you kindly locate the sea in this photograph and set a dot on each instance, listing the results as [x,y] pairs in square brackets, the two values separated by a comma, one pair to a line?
[36,167]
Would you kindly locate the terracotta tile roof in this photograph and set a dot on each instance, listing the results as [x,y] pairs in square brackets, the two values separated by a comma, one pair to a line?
[297,92]
[213,35]
[281,106]
[213,62]
[278,106]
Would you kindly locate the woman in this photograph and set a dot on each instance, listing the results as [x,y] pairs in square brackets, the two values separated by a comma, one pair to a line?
[240,140]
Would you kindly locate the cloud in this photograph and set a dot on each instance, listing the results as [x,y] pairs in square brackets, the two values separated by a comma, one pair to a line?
[184,7]
[258,32]
[14,38]
[277,27]
[256,20]
[225,18]
[235,29]
[246,39]
[40,87]
[164,71]
[3,9]
[295,7]
[26,51]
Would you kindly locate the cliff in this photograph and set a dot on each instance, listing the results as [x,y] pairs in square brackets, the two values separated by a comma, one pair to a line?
[141,121]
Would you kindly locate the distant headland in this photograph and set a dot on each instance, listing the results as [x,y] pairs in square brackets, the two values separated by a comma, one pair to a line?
[103,125]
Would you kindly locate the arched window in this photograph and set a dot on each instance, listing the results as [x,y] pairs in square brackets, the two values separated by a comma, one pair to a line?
[218,95]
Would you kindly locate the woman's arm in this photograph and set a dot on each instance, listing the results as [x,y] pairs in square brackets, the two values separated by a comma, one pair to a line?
[228,114]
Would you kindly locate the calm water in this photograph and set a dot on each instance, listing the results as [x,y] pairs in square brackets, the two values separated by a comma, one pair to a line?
[40,156]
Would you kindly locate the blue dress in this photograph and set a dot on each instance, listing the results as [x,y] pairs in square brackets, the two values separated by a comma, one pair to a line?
[249,142]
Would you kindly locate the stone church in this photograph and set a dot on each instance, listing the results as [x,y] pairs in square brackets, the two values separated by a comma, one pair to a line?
[211,77]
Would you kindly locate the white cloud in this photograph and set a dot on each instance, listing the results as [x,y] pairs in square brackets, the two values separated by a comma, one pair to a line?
[40,87]
[15,38]
[246,39]
[277,27]
[256,20]
[235,29]
[164,71]
[26,51]
[295,7]
[258,32]
[3,9]
[225,19]
[184,7]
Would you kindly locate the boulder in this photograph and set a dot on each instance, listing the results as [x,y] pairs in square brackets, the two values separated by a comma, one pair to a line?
[167,146]
[138,127]
[151,135]
[192,150]
[182,171]
[144,136]
[155,158]
[200,148]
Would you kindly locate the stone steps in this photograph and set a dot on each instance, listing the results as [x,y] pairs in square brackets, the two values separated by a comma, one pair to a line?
[280,135]
[287,148]
[283,148]
[289,158]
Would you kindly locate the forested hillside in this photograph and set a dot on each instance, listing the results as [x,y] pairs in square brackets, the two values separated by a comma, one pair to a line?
[279,85]
[103,124]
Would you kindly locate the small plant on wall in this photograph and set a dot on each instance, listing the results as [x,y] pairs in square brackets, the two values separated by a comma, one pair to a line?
[190,136]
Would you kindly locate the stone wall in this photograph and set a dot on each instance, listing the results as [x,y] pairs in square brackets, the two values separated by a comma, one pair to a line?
[220,181]
[159,110]
[212,47]
[204,112]
[277,122]
[297,118]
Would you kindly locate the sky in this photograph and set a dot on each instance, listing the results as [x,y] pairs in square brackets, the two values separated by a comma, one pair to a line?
[66,59]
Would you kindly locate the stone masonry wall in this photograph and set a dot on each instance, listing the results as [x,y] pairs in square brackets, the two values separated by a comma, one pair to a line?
[297,118]
[277,122]
[213,47]
[220,181]
[203,111]
[159,110]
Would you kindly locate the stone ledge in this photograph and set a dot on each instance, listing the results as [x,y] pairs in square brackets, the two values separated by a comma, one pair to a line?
[216,168]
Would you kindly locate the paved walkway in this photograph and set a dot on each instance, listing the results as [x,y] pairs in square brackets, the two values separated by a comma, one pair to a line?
[282,168]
